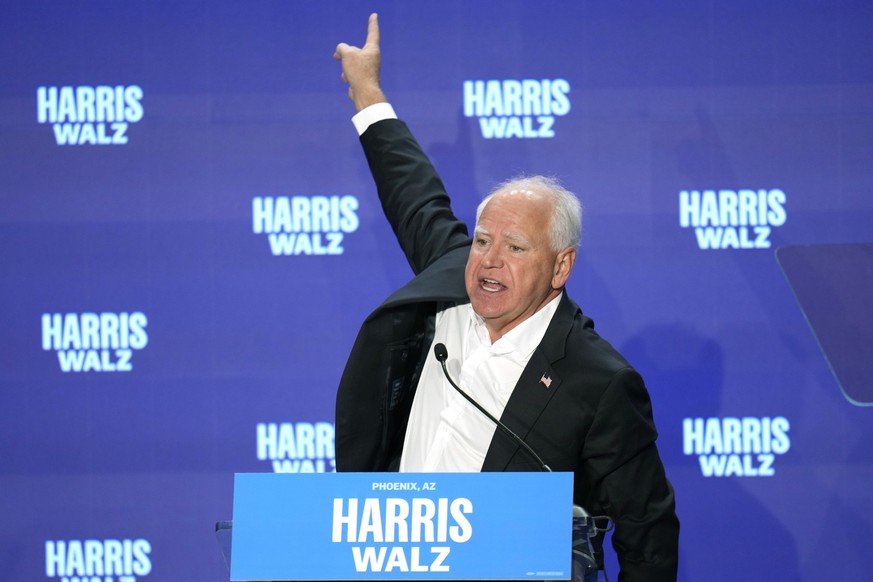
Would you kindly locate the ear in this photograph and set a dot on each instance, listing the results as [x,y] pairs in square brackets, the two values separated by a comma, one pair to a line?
[564,262]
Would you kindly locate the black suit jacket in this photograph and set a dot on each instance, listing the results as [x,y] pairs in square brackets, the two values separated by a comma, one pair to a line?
[594,419]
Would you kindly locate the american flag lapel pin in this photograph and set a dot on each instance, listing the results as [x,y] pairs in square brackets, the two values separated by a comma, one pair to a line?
[546,380]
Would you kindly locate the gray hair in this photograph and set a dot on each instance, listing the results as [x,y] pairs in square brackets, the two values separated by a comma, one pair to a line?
[566,221]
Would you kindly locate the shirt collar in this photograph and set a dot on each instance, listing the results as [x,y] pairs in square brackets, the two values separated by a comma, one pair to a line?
[520,342]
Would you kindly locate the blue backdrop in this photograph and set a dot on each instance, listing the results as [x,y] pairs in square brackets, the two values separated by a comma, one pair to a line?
[189,240]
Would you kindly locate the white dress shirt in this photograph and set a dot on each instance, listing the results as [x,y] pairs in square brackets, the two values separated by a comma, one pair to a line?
[445,432]
[370,115]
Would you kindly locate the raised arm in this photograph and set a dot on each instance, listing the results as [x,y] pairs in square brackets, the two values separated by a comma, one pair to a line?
[412,195]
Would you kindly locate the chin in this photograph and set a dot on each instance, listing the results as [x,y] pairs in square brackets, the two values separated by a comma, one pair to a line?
[486,310]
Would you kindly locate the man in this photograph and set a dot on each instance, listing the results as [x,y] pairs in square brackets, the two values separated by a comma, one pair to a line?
[516,342]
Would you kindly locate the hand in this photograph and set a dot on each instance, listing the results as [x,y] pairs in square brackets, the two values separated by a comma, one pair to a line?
[361,67]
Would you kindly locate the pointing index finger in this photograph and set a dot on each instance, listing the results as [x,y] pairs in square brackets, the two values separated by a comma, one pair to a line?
[373,30]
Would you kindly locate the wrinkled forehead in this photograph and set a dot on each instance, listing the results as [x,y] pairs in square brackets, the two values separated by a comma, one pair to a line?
[520,211]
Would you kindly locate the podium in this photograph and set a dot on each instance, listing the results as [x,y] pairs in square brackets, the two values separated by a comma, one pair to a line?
[405,526]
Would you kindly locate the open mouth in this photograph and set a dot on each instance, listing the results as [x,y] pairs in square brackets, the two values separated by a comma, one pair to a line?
[491,285]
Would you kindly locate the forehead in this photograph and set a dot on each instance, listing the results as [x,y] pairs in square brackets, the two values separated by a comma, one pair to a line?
[517,210]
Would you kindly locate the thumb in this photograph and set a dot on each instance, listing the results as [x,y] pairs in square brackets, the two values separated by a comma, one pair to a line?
[341,48]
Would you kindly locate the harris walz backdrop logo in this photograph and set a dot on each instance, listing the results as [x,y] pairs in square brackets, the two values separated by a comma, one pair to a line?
[732,219]
[517,108]
[90,115]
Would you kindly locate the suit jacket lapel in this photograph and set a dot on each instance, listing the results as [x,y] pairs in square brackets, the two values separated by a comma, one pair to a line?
[535,388]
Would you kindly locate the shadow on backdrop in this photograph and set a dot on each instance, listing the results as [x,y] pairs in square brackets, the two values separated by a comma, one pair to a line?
[680,361]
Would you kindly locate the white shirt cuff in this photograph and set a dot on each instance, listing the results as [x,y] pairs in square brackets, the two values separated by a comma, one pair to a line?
[370,115]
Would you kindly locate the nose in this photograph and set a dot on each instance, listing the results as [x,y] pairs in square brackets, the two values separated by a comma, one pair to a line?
[492,257]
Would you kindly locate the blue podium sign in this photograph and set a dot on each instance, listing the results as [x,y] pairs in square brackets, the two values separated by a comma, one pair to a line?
[402,526]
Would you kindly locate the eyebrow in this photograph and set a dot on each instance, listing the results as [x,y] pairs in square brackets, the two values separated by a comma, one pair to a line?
[513,236]
[516,237]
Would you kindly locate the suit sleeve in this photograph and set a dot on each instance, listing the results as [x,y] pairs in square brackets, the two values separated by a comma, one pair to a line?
[412,194]
[630,484]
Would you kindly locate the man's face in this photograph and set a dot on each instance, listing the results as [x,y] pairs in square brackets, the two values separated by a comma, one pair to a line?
[512,270]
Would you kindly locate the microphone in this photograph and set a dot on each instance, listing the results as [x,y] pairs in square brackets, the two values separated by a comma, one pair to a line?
[442,354]
[584,527]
